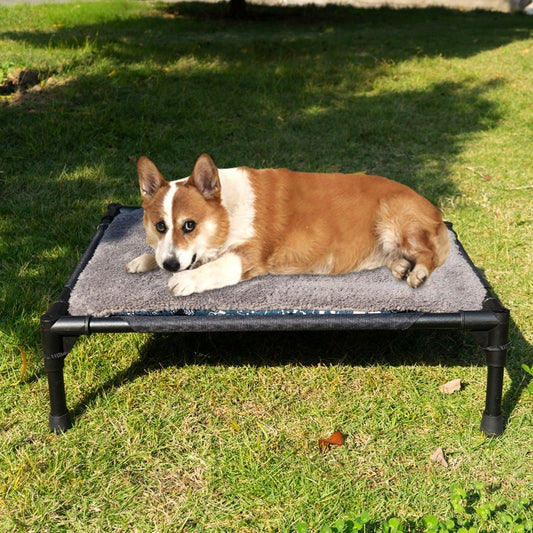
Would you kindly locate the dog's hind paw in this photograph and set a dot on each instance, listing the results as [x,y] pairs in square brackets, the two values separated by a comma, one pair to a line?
[400,268]
[417,276]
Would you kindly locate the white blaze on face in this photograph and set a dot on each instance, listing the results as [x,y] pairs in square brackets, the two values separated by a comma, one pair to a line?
[165,246]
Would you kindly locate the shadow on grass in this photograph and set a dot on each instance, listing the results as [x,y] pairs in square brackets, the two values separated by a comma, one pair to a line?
[259,349]
[358,348]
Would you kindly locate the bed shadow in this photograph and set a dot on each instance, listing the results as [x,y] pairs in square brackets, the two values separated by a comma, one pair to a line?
[448,348]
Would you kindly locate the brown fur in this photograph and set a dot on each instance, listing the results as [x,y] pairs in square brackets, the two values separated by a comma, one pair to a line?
[338,223]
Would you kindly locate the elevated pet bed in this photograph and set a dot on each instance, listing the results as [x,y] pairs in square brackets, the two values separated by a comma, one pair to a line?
[100,297]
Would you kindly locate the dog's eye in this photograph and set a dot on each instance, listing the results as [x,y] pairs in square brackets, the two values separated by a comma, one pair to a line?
[188,226]
[161,227]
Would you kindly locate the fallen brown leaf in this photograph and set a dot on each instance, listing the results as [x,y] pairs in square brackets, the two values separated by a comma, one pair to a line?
[335,439]
[452,386]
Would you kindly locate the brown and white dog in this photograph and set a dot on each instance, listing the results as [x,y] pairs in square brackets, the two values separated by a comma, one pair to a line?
[221,226]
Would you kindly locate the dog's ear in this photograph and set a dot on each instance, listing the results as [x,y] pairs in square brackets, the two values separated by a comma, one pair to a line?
[205,177]
[150,179]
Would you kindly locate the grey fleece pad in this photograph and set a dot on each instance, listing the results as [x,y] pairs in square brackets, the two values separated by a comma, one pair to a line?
[104,288]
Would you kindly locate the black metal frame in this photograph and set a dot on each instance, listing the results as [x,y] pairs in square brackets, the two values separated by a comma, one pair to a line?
[60,330]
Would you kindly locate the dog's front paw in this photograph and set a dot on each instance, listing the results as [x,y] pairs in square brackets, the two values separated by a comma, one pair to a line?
[143,263]
[224,271]
[185,283]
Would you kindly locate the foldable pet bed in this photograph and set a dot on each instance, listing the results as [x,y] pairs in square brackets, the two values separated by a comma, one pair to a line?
[100,297]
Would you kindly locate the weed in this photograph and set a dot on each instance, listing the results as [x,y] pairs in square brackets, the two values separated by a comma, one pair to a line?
[483,516]
[5,68]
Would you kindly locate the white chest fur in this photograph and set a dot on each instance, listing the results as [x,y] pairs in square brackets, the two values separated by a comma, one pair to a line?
[238,198]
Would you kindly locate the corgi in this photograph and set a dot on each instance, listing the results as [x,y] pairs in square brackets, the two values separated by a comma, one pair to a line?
[218,227]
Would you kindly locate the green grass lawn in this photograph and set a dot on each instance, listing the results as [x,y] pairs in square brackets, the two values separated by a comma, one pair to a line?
[220,432]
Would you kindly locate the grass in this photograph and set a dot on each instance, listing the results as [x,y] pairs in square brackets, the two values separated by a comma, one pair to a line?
[220,432]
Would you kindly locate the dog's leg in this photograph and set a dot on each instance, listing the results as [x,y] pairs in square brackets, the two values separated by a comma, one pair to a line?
[427,252]
[226,270]
[143,263]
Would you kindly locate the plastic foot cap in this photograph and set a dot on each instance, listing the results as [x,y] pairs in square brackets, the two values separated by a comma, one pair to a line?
[60,424]
[492,425]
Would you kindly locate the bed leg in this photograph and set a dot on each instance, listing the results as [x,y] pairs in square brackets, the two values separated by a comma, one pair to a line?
[495,342]
[59,418]
[55,349]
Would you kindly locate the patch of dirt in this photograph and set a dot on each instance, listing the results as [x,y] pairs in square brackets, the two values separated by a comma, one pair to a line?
[19,80]
[29,89]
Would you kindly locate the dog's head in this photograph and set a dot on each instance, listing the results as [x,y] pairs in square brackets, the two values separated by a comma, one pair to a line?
[185,221]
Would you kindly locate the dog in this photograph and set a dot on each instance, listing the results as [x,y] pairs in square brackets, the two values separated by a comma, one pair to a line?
[218,227]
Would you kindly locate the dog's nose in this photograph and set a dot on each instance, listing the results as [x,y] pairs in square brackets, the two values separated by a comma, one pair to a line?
[171,264]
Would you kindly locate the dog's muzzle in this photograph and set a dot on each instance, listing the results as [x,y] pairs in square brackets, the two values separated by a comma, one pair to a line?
[172,264]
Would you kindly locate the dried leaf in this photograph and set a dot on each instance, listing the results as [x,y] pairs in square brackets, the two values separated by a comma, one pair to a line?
[24,365]
[438,457]
[335,439]
[452,386]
